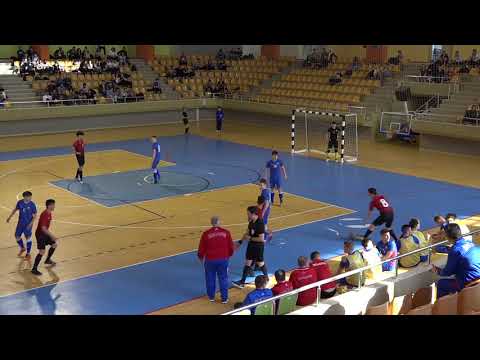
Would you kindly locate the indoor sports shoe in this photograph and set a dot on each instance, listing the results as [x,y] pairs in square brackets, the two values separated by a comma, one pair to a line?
[21,252]
[50,262]
[28,257]
[36,272]
[225,301]
[211,300]
[238,284]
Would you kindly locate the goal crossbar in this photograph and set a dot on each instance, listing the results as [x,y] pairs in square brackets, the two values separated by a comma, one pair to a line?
[341,116]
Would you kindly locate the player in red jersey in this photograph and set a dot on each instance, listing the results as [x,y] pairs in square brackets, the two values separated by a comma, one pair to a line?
[79,150]
[45,237]
[386,213]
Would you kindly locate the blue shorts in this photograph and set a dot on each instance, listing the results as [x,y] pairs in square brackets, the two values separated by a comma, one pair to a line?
[155,163]
[275,183]
[23,229]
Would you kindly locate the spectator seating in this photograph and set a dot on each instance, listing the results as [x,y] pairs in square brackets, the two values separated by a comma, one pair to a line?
[383,309]
[311,88]
[240,75]
[446,305]
[421,310]
[469,300]
[422,297]
[287,304]
[265,309]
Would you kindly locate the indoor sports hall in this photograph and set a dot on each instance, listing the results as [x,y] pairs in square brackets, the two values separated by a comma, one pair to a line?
[407,125]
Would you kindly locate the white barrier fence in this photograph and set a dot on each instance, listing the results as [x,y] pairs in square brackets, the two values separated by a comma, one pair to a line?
[344,275]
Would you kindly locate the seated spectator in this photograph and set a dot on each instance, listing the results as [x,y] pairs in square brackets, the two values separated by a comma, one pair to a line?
[332,57]
[86,53]
[353,259]
[444,58]
[282,286]
[336,79]
[400,57]
[323,272]
[209,86]
[302,276]
[84,90]
[123,52]
[30,53]
[457,59]
[99,49]
[356,64]
[373,74]
[182,60]
[20,54]
[112,54]
[72,53]
[407,243]
[156,87]
[210,65]
[464,69]
[474,58]
[388,249]
[260,293]
[3,97]
[452,219]
[221,66]
[220,55]
[371,257]
[47,98]
[58,54]
[424,238]
[463,261]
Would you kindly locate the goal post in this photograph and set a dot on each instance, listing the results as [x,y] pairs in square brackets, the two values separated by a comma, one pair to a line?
[309,132]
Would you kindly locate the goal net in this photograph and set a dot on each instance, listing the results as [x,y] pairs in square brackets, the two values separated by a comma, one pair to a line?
[310,133]
[395,123]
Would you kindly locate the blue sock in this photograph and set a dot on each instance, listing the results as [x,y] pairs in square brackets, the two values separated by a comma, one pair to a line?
[272,196]
[20,243]
[280,195]
[29,245]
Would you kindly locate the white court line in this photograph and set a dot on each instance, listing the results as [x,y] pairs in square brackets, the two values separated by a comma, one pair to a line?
[78,195]
[156,259]
[50,185]
[171,185]
[188,227]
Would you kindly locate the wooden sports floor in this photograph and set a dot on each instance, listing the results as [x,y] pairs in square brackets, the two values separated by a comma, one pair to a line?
[128,248]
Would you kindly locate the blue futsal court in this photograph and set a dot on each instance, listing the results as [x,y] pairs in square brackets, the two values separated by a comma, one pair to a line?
[200,164]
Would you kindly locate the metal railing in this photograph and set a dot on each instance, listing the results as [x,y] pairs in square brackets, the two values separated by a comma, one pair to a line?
[445,118]
[359,271]
[426,106]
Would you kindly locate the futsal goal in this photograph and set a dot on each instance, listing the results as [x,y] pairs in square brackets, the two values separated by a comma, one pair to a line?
[310,132]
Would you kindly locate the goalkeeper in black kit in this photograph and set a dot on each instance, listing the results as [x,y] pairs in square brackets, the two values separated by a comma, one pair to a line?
[332,135]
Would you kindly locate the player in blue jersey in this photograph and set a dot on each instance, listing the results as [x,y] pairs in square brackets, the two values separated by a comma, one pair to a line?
[264,207]
[219,115]
[155,159]
[277,169]
[27,213]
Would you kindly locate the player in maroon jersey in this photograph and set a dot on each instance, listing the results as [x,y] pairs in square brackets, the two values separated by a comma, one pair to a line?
[386,213]
[79,150]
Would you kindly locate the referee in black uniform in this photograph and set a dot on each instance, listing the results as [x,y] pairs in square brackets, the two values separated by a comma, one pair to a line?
[185,120]
[255,236]
[332,139]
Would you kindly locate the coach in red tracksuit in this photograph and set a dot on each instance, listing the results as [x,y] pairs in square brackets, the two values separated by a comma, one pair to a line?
[215,249]
[302,276]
